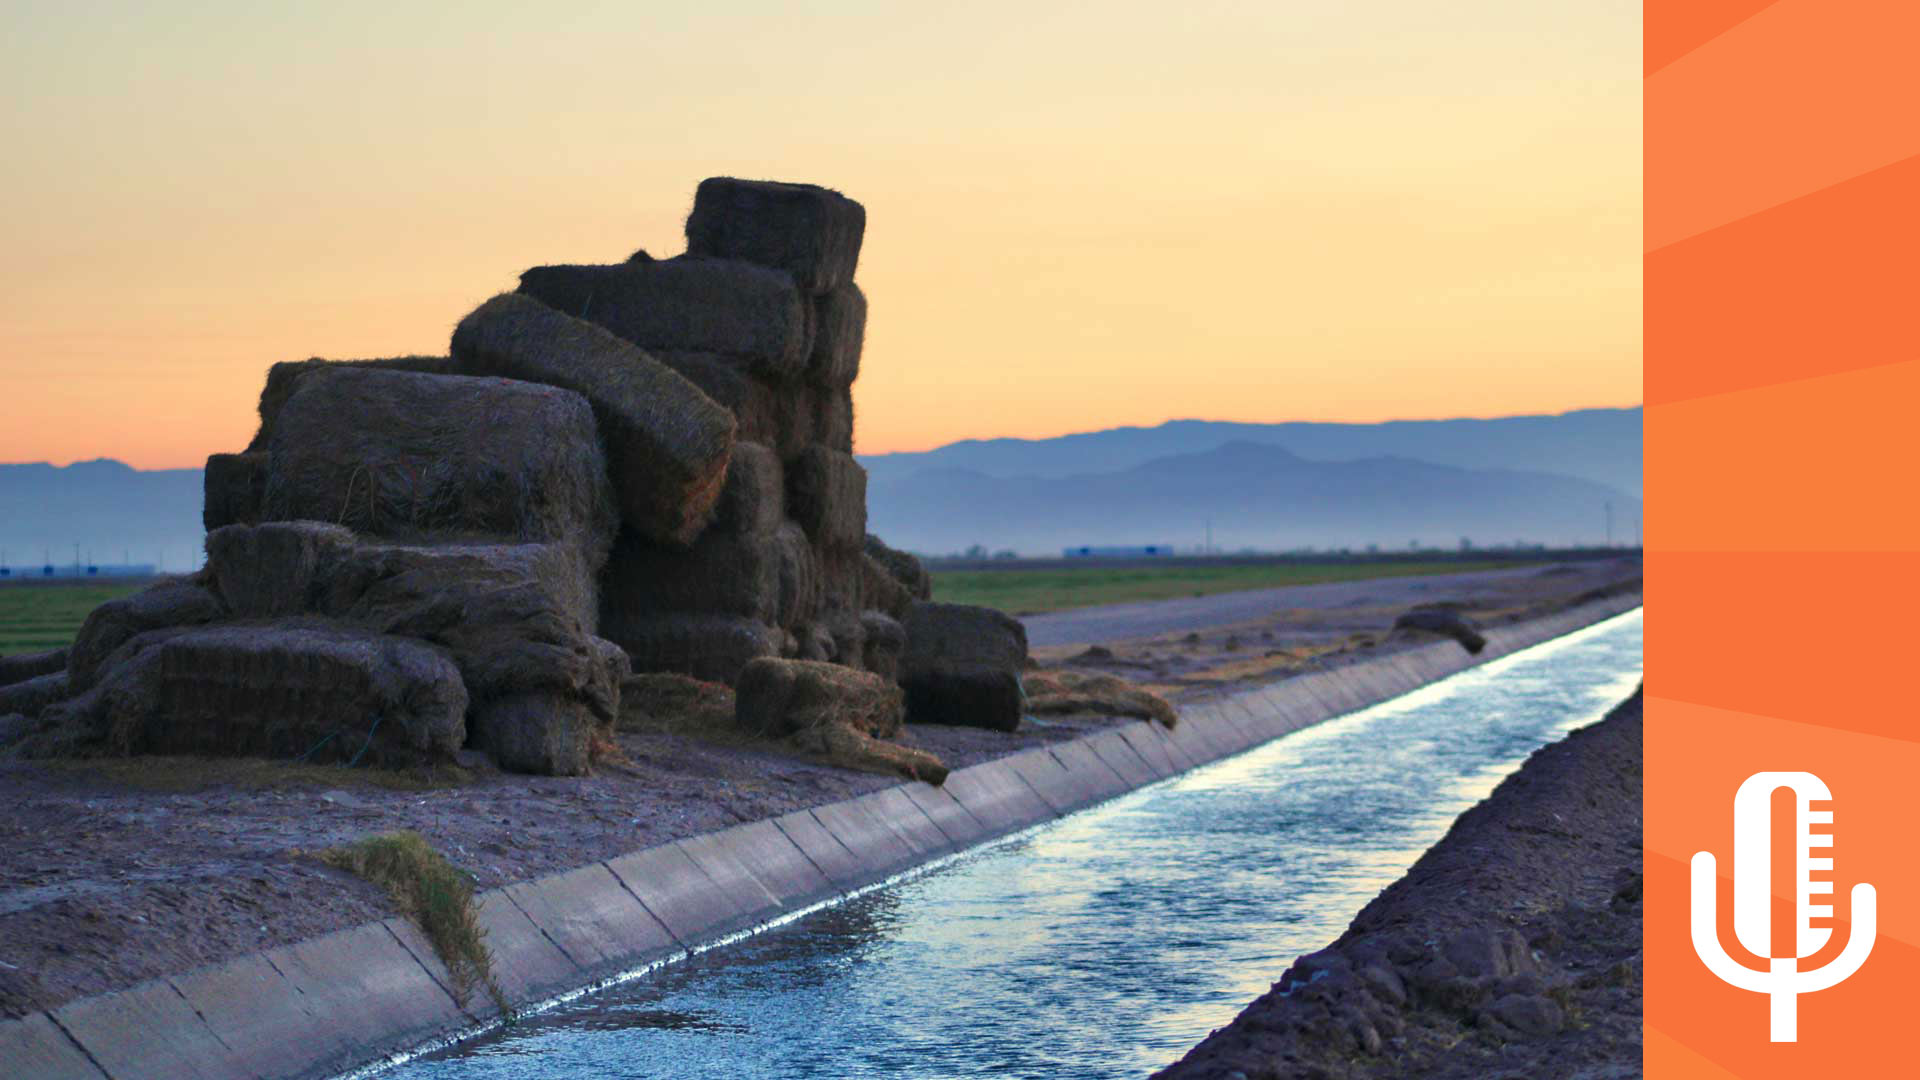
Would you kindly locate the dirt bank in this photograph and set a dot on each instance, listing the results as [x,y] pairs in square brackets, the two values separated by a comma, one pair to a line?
[112,872]
[1510,950]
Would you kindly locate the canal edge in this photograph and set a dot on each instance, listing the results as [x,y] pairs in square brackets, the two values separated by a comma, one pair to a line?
[367,997]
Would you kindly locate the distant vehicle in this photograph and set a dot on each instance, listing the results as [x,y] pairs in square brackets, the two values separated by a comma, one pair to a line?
[1143,552]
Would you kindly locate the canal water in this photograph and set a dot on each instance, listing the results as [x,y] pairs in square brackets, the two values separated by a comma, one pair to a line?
[1102,945]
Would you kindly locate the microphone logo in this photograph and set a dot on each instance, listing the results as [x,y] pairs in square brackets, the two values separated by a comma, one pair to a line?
[1752,901]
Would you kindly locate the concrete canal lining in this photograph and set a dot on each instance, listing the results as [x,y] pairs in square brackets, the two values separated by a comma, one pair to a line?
[360,997]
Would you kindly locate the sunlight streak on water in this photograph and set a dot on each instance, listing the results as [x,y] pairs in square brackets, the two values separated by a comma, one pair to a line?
[1105,944]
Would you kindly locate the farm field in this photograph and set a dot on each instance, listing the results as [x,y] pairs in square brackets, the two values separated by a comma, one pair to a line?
[37,617]
[1028,592]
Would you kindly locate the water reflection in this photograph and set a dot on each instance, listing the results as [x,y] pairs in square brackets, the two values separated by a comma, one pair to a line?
[1106,944]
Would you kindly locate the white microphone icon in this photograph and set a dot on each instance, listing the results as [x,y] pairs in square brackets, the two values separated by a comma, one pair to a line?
[1752,901]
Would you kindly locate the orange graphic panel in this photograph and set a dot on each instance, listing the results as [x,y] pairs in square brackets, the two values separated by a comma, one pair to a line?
[1782,372]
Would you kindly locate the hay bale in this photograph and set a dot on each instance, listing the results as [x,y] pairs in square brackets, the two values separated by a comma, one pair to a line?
[841,578]
[750,314]
[849,636]
[412,457]
[814,642]
[302,690]
[174,602]
[833,418]
[962,666]
[284,378]
[518,619]
[661,701]
[20,667]
[1071,692]
[839,332]
[236,489]
[772,413]
[778,697]
[721,574]
[879,589]
[1446,622]
[883,641]
[905,568]
[29,697]
[276,568]
[102,719]
[712,648]
[544,734]
[811,232]
[827,495]
[852,749]
[753,499]
[667,443]
[800,586]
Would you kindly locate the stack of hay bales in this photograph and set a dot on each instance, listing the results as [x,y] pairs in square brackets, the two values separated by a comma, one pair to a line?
[422,553]
[762,314]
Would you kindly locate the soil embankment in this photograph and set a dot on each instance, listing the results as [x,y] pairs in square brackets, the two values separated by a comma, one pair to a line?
[1511,949]
[117,871]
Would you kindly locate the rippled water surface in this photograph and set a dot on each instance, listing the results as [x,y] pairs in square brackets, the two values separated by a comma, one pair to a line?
[1105,944]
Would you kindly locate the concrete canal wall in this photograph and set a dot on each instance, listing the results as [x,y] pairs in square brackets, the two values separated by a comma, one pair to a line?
[359,997]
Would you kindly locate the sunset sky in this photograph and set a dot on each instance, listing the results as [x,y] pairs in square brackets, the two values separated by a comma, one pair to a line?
[1079,214]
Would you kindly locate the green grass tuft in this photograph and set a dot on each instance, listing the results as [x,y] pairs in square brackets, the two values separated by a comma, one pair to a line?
[439,898]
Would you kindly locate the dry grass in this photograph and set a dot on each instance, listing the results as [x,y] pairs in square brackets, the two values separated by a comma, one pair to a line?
[435,895]
[187,773]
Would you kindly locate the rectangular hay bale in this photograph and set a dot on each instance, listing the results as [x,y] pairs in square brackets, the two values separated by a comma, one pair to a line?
[236,489]
[827,495]
[712,648]
[667,442]
[833,418]
[688,304]
[406,456]
[839,333]
[753,499]
[722,573]
[774,413]
[284,378]
[809,231]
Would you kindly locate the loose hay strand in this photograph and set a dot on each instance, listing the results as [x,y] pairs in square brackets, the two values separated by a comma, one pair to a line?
[436,896]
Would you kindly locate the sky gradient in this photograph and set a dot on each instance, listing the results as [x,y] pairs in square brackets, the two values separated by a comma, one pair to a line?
[1079,215]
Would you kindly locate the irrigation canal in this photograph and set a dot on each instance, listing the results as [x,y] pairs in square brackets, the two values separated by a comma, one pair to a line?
[1101,945]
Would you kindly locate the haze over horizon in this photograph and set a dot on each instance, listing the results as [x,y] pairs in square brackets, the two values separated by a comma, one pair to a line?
[1080,216]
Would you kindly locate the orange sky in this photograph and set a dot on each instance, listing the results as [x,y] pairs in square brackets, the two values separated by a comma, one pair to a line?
[1079,214]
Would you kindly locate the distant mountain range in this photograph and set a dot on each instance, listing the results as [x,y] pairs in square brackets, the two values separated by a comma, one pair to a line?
[1602,445]
[1541,479]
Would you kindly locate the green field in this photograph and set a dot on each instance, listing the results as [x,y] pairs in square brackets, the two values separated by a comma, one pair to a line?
[1026,592]
[37,617]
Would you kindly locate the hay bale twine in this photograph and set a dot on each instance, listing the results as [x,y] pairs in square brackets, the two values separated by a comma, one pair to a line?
[276,568]
[904,567]
[753,499]
[321,693]
[667,442]
[721,574]
[284,378]
[778,697]
[751,314]
[839,332]
[413,457]
[20,667]
[170,603]
[811,232]
[712,648]
[235,487]
[962,666]
[827,495]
